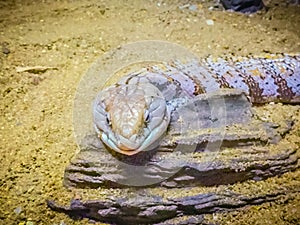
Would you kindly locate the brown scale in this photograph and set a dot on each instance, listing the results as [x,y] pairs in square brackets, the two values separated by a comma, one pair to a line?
[255,91]
[198,89]
[283,90]
[223,82]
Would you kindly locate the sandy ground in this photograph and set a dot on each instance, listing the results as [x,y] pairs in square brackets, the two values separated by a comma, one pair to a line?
[36,130]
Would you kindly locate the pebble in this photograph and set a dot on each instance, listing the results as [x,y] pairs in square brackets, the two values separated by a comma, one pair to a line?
[189,6]
[193,7]
[210,22]
[18,210]
[5,49]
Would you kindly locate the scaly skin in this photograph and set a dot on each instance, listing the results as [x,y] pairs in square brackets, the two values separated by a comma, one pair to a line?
[133,115]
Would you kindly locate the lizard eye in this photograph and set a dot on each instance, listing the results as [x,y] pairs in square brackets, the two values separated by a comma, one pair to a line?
[108,119]
[147,116]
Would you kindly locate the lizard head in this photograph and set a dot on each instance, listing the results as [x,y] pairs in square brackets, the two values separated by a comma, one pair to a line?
[131,118]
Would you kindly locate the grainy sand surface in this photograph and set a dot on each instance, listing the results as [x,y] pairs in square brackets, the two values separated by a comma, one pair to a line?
[36,130]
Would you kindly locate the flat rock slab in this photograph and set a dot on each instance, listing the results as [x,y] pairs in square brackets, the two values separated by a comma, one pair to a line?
[180,170]
[141,209]
[213,140]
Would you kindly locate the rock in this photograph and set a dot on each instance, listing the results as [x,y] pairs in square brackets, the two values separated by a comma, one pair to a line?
[211,151]
[210,22]
[34,69]
[294,2]
[5,49]
[243,6]
[150,210]
[94,168]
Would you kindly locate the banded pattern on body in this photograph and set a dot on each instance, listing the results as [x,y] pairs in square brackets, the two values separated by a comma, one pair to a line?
[263,79]
[132,115]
